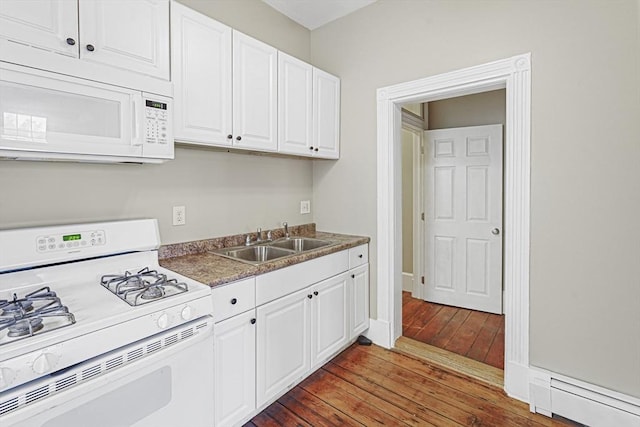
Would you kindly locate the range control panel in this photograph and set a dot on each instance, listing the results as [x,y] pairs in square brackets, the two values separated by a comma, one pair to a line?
[62,242]
[156,119]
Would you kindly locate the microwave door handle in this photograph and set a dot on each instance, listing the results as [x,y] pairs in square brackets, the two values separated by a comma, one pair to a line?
[136,138]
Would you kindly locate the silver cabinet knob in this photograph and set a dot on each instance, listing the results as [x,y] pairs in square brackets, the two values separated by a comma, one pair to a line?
[495,231]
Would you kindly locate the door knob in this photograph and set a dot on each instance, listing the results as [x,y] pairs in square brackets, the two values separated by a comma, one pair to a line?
[495,231]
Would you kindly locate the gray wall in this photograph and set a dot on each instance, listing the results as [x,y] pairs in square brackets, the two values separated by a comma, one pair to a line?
[488,108]
[585,179]
[224,193]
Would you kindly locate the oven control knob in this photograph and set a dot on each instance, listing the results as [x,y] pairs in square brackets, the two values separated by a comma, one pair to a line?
[6,377]
[163,321]
[44,363]
[187,313]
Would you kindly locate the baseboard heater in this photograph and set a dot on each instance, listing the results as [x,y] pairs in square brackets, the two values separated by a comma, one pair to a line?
[582,402]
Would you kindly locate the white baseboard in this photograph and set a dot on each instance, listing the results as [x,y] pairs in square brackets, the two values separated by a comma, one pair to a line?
[379,332]
[407,282]
[595,406]
[516,380]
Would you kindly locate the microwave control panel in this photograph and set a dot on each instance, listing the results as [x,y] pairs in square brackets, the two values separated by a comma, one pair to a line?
[61,242]
[156,122]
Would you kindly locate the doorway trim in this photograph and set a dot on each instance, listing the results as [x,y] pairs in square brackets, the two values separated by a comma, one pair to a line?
[514,74]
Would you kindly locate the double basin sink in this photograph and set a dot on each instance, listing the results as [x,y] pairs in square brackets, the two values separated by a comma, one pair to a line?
[260,253]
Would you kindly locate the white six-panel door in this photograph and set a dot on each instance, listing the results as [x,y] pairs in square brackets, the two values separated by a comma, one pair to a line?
[463,217]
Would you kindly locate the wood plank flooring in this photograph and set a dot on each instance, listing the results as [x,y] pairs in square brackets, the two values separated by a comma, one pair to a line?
[473,334]
[371,386]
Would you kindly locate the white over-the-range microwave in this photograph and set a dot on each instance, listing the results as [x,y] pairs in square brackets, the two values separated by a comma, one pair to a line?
[50,116]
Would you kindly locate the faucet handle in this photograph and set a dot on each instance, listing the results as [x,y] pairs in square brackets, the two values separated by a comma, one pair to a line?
[247,240]
[259,235]
[269,235]
[286,229]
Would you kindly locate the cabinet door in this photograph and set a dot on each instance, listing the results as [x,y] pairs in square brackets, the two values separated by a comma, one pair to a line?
[132,35]
[295,127]
[330,318]
[45,24]
[326,114]
[359,299]
[234,362]
[201,73]
[254,94]
[282,355]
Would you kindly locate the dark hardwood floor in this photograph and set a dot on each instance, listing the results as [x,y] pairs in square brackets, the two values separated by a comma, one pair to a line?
[473,334]
[367,386]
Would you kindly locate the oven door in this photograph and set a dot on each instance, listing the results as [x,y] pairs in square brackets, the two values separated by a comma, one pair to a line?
[165,380]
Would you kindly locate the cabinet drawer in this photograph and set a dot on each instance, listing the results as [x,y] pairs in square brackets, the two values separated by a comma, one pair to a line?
[358,255]
[279,283]
[234,298]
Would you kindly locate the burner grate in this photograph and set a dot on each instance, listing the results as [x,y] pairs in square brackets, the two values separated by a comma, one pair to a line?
[26,316]
[142,287]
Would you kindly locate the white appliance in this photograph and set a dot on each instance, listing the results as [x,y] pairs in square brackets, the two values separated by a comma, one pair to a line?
[50,116]
[94,332]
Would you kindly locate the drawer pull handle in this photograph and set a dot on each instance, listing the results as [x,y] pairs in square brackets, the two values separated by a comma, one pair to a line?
[353,276]
[71,41]
[233,301]
[315,293]
[309,296]
[253,321]
[90,48]
[360,256]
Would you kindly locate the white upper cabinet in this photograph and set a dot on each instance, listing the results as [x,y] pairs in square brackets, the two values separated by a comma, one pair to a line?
[121,42]
[231,90]
[201,73]
[294,106]
[255,105]
[133,35]
[51,25]
[326,114]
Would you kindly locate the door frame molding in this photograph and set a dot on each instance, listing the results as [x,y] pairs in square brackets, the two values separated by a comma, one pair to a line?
[416,128]
[514,74]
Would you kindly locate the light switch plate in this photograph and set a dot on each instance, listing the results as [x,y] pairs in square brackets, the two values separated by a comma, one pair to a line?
[305,206]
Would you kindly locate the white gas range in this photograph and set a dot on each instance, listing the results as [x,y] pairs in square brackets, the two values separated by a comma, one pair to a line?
[90,322]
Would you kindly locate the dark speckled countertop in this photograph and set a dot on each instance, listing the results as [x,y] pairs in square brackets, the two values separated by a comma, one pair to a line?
[194,260]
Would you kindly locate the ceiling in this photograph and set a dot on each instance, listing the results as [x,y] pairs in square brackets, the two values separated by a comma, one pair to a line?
[315,13]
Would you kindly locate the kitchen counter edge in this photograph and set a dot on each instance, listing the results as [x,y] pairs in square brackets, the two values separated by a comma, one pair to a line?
[214,270]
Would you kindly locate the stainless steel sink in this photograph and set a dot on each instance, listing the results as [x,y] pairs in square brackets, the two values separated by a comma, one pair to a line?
[255,254]
[258,254]
[300,244]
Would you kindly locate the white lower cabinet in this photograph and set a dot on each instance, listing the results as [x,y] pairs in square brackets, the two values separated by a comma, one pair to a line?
[359,300]
[330,318]
[282,345]
[305,315]
[235,368]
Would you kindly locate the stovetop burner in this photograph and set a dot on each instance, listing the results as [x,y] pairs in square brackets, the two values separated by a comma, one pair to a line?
[24,317]
[25,327]
[142,287]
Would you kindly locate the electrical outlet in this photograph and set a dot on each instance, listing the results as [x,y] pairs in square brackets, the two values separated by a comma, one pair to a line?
[305,206]
[179,215]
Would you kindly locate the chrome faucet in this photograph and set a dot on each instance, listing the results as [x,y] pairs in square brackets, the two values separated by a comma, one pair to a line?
[259,235]
[286,230]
